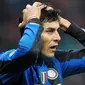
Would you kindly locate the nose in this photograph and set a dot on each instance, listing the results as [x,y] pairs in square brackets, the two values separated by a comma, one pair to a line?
[56,36]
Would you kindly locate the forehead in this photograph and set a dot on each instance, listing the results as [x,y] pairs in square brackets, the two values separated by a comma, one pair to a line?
[54,24]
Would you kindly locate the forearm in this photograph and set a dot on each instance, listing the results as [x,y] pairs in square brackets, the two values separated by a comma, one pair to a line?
[73,66]
[72,29]
[25,43]
[14,58]
[29,36]
[76,32]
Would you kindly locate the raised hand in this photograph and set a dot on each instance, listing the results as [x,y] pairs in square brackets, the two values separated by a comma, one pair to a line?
[30,12]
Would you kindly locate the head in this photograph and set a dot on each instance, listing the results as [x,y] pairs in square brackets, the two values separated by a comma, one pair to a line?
[49,35]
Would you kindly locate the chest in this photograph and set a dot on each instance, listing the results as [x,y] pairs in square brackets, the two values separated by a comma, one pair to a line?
[43,75]
[46,75]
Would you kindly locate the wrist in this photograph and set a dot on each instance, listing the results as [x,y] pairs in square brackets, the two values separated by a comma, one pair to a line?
[34,20]
[32,17]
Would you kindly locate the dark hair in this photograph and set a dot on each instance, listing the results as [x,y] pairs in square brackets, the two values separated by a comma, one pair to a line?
[46,16]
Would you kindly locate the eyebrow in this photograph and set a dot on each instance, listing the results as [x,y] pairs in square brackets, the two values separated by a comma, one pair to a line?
[50,28]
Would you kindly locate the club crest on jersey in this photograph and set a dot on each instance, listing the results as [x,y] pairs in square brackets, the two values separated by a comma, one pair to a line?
[43,77]
[52,74]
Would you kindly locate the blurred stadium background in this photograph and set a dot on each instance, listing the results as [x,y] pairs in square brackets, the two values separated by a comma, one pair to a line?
[73,10]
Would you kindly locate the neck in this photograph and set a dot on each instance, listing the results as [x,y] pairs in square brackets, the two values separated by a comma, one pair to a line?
[42,58]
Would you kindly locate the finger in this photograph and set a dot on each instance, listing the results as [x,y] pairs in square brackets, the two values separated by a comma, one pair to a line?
[21,25]
[28,5]
[36,4]
[24,10]
[42,6]
[59,17]
[49,8]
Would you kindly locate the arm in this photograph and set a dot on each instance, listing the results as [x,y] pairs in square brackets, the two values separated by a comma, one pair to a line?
[25,43]
[75,60]
[32,30]
[73,66]
[73,30]
[76,32]
[63,55]
[24,61]
[31,15]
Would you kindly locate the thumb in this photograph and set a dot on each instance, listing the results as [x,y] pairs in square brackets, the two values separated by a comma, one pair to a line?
[22,24]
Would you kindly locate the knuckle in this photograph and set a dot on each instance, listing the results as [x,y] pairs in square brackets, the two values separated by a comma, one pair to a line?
[23,10]
[27,6]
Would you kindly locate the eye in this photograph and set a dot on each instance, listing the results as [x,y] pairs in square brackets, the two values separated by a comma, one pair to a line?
[50,30]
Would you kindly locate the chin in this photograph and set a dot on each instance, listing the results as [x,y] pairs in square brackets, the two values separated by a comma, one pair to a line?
[48,54]
[51,55]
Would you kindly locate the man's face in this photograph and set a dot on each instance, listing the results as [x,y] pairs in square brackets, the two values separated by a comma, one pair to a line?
[50,38]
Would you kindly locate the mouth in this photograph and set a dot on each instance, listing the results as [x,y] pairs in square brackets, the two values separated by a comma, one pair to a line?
[53,48]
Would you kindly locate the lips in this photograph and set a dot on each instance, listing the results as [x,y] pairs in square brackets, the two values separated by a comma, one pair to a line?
[53,48]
